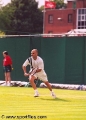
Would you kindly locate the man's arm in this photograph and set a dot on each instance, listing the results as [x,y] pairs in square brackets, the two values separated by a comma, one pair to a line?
[40,66]
[39,69]
[35,70]
[24,67]
[25,71]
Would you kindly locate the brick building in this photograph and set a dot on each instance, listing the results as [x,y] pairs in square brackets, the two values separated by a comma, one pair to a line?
[63,20]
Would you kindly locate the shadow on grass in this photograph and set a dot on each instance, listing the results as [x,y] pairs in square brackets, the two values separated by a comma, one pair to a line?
[56,99]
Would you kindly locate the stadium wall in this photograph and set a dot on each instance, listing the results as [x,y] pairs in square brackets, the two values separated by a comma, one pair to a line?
[64,57]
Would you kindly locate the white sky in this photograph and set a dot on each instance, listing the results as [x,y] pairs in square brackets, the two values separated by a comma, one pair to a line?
[41,2]
[5,1]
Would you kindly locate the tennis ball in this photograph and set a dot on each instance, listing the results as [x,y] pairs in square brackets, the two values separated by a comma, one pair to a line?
[12,68]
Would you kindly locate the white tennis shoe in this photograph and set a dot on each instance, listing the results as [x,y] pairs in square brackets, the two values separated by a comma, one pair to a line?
[36,94]
[53,95]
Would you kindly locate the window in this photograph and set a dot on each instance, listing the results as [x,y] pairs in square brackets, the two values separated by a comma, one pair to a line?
[83,11]
[74,4]
[81,18]
[79,11]
[69,18]
[50,19]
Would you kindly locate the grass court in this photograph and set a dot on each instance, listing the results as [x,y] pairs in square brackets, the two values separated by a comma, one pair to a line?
[18,103]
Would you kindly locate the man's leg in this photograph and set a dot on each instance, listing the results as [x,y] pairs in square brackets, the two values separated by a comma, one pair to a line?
[50,88]
[48,85]
[31,79]
[9,78]
[5,74]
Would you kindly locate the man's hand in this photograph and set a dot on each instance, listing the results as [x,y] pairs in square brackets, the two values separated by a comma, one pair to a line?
[26,74]
[33,71]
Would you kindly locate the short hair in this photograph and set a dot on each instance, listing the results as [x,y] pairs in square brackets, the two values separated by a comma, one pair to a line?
[35,50]
[5,52]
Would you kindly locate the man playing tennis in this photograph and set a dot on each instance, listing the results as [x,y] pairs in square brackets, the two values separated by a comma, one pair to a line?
[36,71]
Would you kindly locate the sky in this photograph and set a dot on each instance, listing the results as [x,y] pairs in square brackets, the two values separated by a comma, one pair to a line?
[5,1]
[41,2]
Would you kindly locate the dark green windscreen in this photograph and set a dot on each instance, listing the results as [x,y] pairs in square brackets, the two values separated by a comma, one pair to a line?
[64,58]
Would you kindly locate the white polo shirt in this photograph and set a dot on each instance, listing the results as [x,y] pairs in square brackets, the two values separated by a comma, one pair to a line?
[38,63]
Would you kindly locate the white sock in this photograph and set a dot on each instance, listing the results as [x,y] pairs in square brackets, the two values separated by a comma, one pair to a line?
[36,91]
[52,92]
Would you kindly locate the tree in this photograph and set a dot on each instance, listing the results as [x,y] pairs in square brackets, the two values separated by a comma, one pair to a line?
[60,4]
[21,17]
[6,15]
[27,18]
[42,8]
[0,4]
[1,19]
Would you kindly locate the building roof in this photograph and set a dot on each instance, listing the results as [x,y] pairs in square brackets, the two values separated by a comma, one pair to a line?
[71,0]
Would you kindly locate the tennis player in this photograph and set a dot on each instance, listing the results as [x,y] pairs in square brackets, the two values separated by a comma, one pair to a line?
[7,67]
[36,72]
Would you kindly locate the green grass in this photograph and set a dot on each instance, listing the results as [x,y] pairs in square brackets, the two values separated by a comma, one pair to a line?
[19,103]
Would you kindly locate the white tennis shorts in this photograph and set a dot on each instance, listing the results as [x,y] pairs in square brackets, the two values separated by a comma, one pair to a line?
[41,76]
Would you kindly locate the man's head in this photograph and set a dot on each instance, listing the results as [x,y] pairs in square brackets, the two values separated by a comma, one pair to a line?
[5,53]
[34,53]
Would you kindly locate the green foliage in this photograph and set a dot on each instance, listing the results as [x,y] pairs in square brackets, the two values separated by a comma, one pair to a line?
[60,4]
[6,15]
[22,17]
[42,8]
